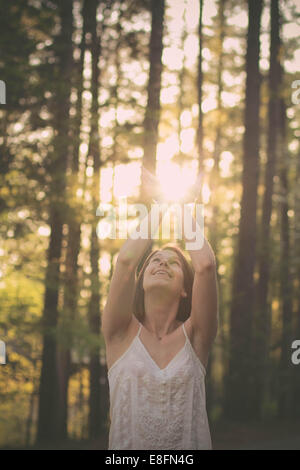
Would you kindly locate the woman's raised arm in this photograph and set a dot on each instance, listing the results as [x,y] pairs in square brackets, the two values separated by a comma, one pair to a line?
[204,312]
[117,314]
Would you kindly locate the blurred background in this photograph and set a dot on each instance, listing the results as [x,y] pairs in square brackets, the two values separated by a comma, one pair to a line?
[94,91]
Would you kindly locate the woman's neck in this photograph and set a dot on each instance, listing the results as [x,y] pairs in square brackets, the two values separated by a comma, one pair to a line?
[160,315]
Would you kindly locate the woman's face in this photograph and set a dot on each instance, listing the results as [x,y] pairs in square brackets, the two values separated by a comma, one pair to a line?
[165,270]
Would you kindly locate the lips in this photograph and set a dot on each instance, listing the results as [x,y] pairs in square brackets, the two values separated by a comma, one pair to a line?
[161,271]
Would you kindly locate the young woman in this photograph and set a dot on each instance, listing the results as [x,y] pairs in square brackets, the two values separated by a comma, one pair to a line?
[158,331]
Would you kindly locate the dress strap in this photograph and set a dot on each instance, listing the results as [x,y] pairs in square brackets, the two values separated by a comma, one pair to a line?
[138,333]
[185,333]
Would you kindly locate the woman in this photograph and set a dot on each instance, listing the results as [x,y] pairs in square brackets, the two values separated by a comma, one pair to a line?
[158,332]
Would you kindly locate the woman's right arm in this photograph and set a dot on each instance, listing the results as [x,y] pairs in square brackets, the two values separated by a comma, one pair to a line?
[117,314]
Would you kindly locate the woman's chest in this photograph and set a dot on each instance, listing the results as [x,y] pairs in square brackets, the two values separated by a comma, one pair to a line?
[162,353]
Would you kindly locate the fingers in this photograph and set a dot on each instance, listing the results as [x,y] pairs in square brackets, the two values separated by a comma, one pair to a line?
[149,179]
[146,171]
[196,188]
[148,176]
[199,178]
[150,183]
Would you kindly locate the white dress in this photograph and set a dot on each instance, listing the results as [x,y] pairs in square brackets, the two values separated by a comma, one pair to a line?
[158,409]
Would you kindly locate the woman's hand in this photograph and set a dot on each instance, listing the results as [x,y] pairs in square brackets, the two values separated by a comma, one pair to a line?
[194,192]
[151,186]
[153,189]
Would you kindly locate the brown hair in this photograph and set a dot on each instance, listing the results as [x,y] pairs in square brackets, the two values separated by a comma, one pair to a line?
[185,304]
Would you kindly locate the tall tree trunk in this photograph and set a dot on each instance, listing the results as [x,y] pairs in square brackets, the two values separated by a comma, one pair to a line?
[94,305]
[296,253]
[115,98]
[214,185]
[154,85]
[263,320]
[6,157]
[30,415]
[239,384]
[117,153]
[73,247]
[181,80]
[48,394]
[200,91]
[215,175]
[152,115]
[286,368]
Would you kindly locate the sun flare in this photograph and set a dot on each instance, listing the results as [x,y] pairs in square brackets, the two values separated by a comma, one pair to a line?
[174,180]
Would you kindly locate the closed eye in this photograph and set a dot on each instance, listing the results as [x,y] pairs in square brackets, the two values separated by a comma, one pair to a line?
[172,261]
[175,261]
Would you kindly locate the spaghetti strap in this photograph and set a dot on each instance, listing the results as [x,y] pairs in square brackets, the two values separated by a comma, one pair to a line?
[185,333]
[138,333]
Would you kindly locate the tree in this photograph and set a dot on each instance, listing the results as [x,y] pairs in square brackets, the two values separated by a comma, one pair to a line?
[48,395]
[94,305]
[154,85]
[263,314]
[296,253]
[215,174]
[199,86]
[240,373]
[285,389]
[152,113]
[71,287]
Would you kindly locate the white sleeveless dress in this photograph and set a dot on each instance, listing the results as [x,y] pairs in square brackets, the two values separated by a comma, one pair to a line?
[158,409]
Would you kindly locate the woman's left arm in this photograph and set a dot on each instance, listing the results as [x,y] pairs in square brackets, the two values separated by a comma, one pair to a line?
[204,312]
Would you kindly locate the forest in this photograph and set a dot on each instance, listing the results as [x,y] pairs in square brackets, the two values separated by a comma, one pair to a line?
[92,91]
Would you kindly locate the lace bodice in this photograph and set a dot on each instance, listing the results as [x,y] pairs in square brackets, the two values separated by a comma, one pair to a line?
[158,409]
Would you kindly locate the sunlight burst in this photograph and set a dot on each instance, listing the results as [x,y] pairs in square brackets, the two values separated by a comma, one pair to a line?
[175,181]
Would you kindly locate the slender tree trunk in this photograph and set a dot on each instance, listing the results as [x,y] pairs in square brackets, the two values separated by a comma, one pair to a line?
[116,148]
[48,394]
[80,404]
[200,91]
[73,247]
[152,115]
[95,417]
[154,85]
[263,320]
[215,175]
[117,153]
[6,157]
[285,395]
[181,80]
[240,375]
[214,185]
[296,251]
[29,420]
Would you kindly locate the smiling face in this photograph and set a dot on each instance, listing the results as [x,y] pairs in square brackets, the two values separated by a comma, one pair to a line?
[179,277]
[165,270]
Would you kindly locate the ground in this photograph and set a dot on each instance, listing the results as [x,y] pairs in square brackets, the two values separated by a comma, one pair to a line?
[225,436]
[270,436]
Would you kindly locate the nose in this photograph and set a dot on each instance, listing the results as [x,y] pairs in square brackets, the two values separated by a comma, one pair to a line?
[165,262]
